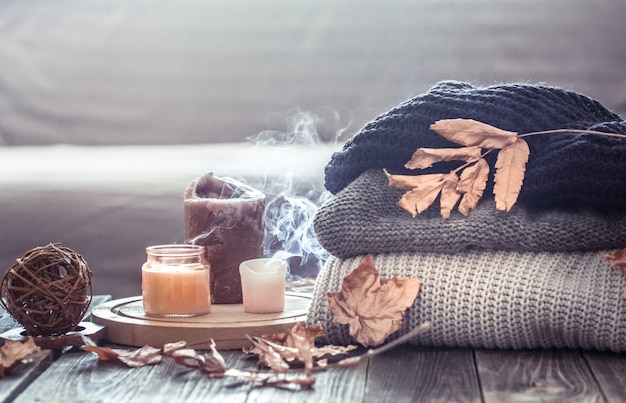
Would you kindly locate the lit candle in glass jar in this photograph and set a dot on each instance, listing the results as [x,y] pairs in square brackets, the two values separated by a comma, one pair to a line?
[175,281]
[263,285]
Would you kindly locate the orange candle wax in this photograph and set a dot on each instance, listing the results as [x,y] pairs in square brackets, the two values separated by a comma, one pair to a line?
[172,291]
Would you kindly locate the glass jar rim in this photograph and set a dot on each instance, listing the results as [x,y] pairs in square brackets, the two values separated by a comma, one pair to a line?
[173,250]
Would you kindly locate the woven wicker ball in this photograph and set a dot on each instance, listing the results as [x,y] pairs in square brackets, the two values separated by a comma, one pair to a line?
[48,290]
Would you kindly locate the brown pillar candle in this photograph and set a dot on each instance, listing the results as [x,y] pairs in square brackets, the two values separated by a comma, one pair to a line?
[226,217]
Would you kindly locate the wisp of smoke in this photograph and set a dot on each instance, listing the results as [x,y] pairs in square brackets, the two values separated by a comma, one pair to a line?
[292,201]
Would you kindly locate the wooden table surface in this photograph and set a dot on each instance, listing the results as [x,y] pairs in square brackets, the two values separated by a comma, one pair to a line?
[404,374]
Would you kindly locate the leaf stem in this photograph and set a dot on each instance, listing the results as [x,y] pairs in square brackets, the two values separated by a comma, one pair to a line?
[422,328]
[621,136]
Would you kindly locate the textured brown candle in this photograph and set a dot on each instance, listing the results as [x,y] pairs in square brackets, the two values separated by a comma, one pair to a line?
[226,217]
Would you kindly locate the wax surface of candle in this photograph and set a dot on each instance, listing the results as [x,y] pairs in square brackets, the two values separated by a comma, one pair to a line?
[263,284]
[175,290]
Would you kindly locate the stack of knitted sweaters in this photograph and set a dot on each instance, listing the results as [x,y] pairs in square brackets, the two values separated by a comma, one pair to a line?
[535,276]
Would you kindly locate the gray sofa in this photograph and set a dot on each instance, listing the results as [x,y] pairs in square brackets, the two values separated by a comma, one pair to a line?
[109,109]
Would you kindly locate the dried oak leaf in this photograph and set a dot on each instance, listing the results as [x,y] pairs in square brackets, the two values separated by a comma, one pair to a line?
[424,158]
[472,184]
[469,132]
[373,308]
[509,176]
[14,352]
[617,259]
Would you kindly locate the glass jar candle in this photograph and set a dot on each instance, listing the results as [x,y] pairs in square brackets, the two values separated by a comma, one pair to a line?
[175,281]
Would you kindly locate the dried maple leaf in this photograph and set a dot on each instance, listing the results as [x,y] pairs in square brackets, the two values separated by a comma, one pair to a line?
[13,352]
[472,184]
[617,259]
[425,157]
[373,308]
[509,176]
[468,132]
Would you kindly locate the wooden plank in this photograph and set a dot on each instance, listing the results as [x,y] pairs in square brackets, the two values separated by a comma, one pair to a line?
[536,375]
[17,379]
[609,369]
[25,374]
[331,385]
[6,321]
[409,374]
[81,377]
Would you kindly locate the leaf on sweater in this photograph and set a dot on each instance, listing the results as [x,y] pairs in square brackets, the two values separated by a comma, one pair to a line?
[15,352]
[425,157]
[509,176]
[468,132]
[372,308]
[423,192]
[472,184]
[617,259]
[449,194]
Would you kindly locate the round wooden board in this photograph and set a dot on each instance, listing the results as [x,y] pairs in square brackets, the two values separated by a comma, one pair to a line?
[226,324]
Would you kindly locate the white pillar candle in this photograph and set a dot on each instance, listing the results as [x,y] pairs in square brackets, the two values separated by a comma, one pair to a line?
[263,285]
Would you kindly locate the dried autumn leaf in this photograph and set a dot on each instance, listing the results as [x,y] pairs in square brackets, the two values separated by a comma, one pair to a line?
[169,348]
[472,184]
[617,259]
[13,352]
[449,194]
[211,363]
[509,175]
[425,157]
[103,353]
[469,132]
[424,189]
[304,348]
[409,182]
[145,355]
[373,308]
[269,355]
[310,332]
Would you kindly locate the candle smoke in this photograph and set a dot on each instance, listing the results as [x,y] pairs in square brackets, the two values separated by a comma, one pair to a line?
[292,200]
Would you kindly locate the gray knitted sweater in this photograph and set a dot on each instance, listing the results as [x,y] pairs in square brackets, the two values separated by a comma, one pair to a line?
[532,277]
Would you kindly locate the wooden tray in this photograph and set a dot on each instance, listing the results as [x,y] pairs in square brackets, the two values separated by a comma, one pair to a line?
[227,324]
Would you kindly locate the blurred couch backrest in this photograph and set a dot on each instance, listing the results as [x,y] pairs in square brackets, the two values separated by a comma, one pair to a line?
[161,72]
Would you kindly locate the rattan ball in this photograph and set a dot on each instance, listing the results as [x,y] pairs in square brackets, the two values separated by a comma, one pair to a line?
[48,290]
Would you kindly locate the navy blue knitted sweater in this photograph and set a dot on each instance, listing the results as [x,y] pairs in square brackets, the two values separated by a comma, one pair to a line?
[563,171]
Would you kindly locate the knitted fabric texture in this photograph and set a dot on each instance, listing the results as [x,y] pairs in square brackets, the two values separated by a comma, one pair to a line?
[564,170]
[365,218]
[497,299]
